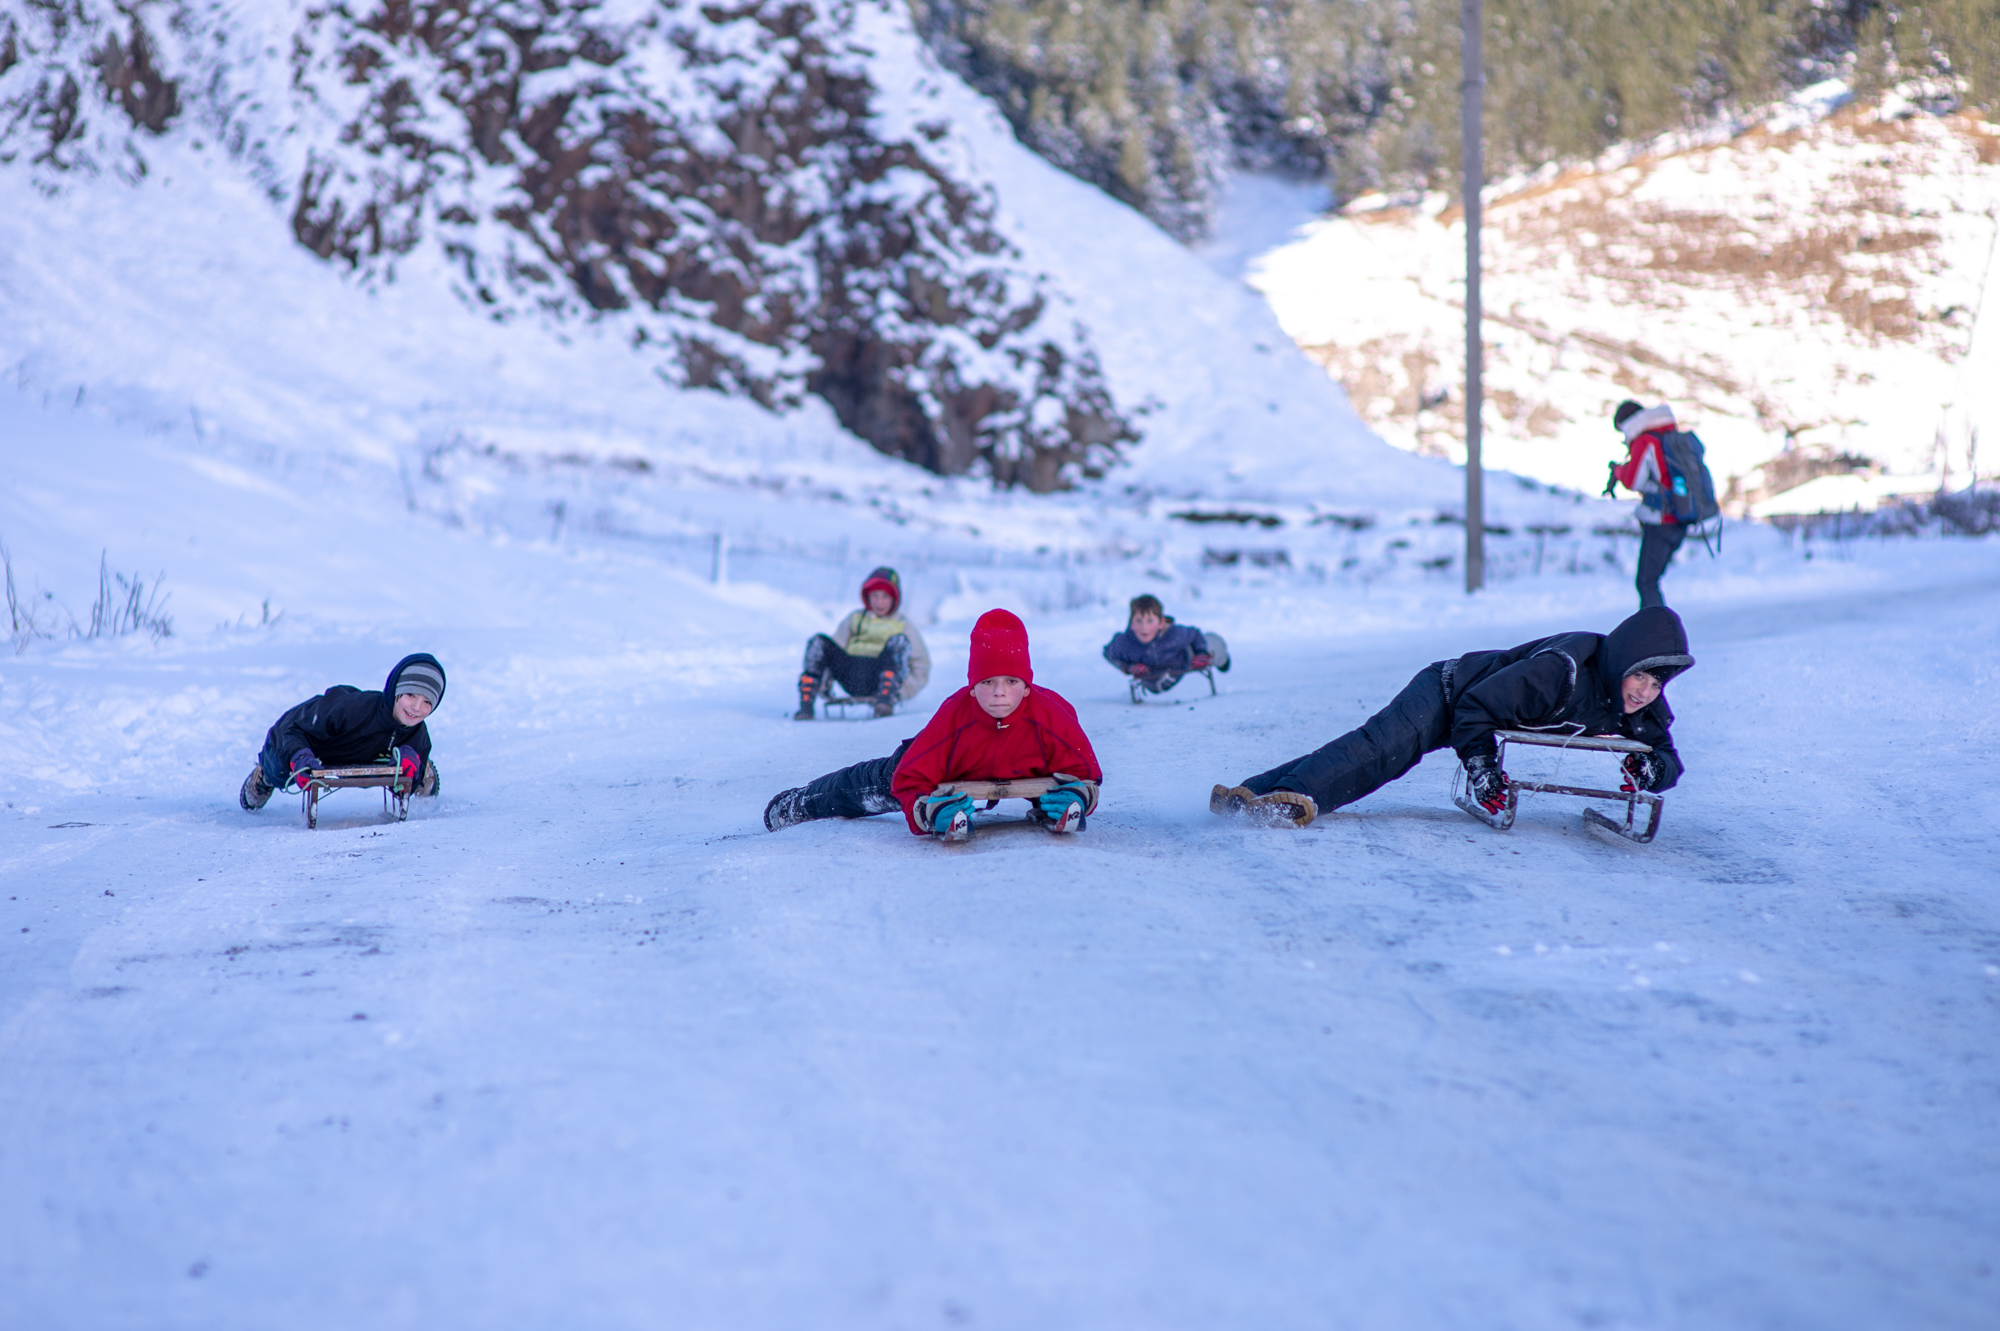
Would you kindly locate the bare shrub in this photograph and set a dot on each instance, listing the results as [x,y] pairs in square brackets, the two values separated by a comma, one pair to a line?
[128,605]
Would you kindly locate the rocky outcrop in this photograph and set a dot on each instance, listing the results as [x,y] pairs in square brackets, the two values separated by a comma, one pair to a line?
[713,177]
[713,180]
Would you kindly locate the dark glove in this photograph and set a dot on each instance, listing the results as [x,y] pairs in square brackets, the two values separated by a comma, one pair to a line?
[935,812]
[1611,481]
[1136,669]
[411,762]
[1202,661]
[1486,783]
[305,760]
[1642,771]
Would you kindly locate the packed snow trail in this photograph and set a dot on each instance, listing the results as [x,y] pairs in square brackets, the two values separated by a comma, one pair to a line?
[581,1045]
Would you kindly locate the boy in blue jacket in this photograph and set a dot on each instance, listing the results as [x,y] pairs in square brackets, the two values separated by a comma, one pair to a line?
[1157,652]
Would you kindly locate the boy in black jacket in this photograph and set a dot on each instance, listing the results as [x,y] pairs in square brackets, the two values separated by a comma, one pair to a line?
[1574,683]
[348,727]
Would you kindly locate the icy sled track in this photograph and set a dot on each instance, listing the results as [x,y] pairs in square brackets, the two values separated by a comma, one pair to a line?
[594,1050]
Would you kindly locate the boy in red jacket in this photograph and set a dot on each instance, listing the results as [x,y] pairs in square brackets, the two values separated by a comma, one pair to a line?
[999,727]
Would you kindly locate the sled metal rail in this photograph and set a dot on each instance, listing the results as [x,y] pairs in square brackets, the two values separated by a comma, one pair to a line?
[388,776]
[1631,799]
[1136,684]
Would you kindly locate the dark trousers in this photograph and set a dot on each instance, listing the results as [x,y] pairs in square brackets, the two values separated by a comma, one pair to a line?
[861,676]
[1657,543]
[1389,743]
[858,791]
[277,766]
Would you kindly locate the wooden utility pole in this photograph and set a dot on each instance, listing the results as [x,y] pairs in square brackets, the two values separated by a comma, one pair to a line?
[1472,98]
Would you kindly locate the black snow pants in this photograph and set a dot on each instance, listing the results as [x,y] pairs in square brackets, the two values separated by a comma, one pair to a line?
[1657,543]
[861,676]
[1416,722]
[858,791]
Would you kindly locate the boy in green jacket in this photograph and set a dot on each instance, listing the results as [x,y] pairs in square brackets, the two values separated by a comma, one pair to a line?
[875,653]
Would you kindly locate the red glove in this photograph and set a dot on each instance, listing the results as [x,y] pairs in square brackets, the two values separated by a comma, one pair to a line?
[1639,773]
[1136,669]
[1202,660]
[412,764]
[303,762]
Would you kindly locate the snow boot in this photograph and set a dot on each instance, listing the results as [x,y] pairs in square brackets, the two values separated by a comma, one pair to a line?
[885,697]
[1229,800]
[1282,808]
[808,690]
[428,787]
[786,809]
[256,792]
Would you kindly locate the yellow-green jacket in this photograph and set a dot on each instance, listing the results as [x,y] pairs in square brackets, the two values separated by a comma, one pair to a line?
[864,634]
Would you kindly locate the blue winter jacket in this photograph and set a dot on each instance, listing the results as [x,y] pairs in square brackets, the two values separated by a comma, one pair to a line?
[1174,648]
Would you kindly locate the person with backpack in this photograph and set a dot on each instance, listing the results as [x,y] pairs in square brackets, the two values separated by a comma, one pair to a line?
[1666,468]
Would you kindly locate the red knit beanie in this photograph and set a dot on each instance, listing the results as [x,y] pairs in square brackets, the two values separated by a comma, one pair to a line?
[999,647]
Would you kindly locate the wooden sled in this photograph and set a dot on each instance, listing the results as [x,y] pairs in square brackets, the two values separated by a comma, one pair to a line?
[1029,788]
[829,701]
[1593,743]
[386,775]
[1137,685]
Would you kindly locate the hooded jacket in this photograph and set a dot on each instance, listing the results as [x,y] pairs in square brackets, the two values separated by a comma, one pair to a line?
[346,726]
[962,743]
[1174,647]
[1644,472]
[1571,683]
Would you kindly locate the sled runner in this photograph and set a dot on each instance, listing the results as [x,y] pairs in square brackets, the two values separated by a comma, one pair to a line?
[1029,788]
[1137,686]
[1596,743]
[829,700]
[388,776]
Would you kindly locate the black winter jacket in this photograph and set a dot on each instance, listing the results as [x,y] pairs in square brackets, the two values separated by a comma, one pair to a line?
[1570,683]
[346,726]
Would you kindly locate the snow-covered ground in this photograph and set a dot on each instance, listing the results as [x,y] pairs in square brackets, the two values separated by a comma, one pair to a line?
[581,1045]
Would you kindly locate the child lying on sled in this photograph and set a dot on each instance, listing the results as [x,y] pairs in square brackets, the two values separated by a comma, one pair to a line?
[1001,727]
[1157,652]
[350,727]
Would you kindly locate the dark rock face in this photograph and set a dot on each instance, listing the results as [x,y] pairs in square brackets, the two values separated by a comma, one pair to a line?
[50,53]
[714,177]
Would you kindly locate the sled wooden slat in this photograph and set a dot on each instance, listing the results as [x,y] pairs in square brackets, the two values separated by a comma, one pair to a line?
[387,776]
[1020,788]
[1026,788]
[1601,743]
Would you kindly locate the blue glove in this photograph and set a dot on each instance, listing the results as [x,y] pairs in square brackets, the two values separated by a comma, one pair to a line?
[302,762]
[936,812]
[1059,801]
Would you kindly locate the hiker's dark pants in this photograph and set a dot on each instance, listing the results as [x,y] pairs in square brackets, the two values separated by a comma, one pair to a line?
[856,792]
[1657,543]
[861,676]
[1389,743]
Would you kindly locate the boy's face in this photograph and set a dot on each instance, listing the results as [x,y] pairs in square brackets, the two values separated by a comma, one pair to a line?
[1146,626]
[411,708]
[1000,695]
[1640,689]
[880,603]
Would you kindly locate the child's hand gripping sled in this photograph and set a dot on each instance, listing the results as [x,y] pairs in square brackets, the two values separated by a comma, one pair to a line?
[1061,803]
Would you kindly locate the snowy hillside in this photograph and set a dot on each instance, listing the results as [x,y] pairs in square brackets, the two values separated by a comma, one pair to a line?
[582,1045]
[1809,284]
